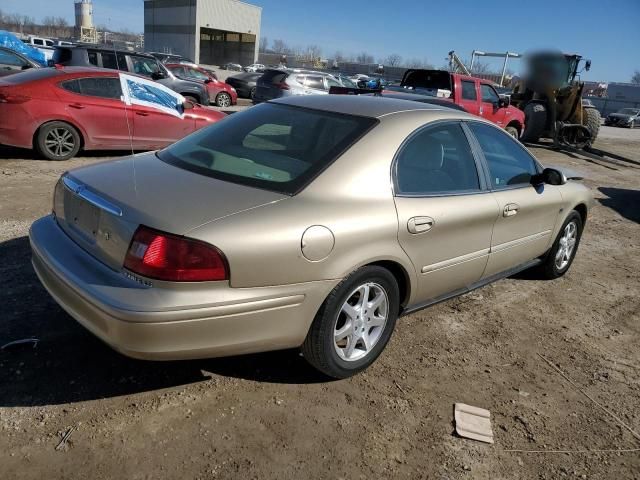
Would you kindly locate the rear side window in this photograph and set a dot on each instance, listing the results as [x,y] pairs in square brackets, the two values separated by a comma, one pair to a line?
[314,82]
[103,87]
[114,61]
[275,147]
[469,90]
[436,160]
[273,77]
[509,163]
[93,57]
[62,56]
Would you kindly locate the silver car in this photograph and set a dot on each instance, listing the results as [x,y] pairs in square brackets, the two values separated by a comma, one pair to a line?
[277,83]
[312,222]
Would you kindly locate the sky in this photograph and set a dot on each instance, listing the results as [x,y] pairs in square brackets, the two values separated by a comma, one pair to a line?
[606,31]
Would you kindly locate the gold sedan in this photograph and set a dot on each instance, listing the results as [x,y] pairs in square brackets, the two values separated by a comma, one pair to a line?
[310,222]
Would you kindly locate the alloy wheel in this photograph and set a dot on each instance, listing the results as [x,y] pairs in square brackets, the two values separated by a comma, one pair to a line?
[566,245]
[59,142]
[224,100]
[361,322]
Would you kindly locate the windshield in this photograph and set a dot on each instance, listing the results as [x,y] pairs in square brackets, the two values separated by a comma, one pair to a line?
[629,111]
[274,147]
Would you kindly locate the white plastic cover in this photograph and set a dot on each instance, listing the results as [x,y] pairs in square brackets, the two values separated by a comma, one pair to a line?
[140,91]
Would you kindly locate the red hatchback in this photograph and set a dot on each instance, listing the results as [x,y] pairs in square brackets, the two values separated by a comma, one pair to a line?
[220,93]
[58,111]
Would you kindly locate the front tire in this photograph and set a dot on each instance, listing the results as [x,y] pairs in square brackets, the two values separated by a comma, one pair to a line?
[535,115]
[57,141]
[354,324]
[513,131]
[223,100]
[563,251]
[592,122]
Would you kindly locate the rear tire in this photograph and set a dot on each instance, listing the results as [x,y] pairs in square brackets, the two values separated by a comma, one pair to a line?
[252,92]
[592,120]
[535,115]
[57,141]
[365,323]
[559,258]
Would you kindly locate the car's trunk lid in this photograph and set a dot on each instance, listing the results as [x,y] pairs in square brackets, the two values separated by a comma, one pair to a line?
[101,206]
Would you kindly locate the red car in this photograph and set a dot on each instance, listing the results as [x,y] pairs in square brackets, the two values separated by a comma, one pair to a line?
[475,95]
[220,93]
[58,111]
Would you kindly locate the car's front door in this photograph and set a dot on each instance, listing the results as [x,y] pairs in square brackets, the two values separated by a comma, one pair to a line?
[95,103]
[11,63]
[490,105]
[527,213]
[158,114]
[445,211]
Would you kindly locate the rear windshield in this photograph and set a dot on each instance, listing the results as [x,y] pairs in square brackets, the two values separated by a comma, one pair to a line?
[30,75]
[274,147]
[427,79]
[274,77]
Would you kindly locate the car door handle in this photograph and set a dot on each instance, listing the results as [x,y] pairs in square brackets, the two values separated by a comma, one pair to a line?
[510,210]
[420,224]
[142,114]
[77,106]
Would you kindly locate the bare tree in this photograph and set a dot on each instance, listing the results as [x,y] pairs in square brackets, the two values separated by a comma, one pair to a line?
[418,63]
[393,60]
[636,77]
[364,57]
[278,46]
[480,67]
[339,57]
[264,44]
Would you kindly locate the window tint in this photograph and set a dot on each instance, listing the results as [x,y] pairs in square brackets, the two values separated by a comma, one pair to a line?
[37,41]
[275,147]
[509,162]
[7,58]
[113,61]
[193,73]
[93,57]
[71,86]
[437,159]
[489,95]
[469,90]
[104,87]
[314,82]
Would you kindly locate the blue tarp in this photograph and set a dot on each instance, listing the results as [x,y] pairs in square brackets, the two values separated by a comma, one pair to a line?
[9,40]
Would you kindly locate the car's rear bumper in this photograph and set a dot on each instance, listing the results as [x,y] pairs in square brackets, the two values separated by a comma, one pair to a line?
[165,322]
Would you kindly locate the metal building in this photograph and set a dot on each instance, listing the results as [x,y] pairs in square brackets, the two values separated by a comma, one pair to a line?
[212,32]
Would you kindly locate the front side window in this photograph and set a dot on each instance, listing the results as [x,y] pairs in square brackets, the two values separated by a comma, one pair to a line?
[469,90]
[145,66]
[332,83]
[509,163]
[197,74]
[436,160]
[275,147]
[489,95]
[7,58]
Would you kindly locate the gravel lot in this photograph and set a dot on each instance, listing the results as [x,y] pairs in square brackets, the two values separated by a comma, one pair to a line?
[271,416]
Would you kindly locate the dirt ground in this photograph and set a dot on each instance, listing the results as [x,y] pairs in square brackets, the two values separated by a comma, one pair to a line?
[271,416]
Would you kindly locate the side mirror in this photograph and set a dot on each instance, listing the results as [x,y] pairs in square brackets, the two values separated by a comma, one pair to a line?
[157,75]
[550,176]
[26,66]
[208,80]
[188,105]
[504,102]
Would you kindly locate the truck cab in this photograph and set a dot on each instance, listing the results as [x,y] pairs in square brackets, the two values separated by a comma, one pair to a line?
[475,95]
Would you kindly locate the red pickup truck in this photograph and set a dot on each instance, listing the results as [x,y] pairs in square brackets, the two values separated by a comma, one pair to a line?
[475,95]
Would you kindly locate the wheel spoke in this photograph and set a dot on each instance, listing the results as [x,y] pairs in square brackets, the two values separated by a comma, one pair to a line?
[364,296]
[351,345]
[366,341]
[351,311]
[346,330]
[376,302]
[377,321]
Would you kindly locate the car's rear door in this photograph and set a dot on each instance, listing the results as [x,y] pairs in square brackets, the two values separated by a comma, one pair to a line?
[527,214]
[314,84]
[95,104]
[445,211]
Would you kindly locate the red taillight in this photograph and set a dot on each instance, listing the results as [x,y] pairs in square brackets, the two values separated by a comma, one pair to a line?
[164,256]
[13,98]
[283,86]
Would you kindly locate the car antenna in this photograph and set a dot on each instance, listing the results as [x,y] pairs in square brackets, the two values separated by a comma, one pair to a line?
[126,117]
